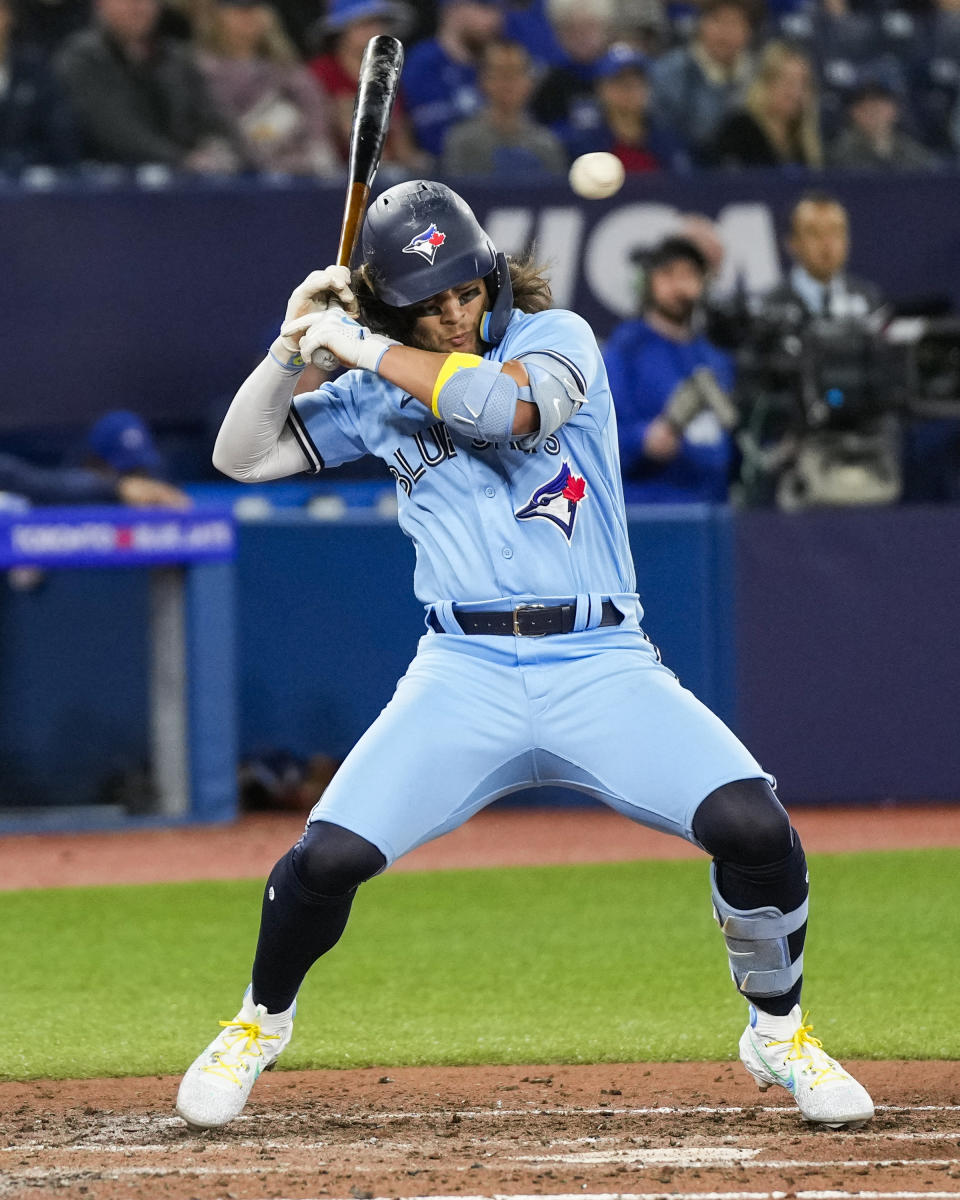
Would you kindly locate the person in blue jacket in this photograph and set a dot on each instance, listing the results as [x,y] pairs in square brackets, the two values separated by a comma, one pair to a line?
[36,127]
[670,382]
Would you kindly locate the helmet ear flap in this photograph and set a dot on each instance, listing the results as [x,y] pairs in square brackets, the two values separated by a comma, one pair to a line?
[493,324]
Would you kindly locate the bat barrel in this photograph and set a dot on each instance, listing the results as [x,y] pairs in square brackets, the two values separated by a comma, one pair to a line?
[377,86]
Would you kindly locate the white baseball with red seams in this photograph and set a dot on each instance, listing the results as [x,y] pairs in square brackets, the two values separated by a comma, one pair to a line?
[596,176]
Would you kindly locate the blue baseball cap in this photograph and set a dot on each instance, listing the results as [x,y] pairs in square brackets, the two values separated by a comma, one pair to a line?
[123,440]
[342,13]
[621,57]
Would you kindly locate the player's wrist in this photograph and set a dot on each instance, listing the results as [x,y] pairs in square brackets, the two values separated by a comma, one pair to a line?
[371,350]
[285,353]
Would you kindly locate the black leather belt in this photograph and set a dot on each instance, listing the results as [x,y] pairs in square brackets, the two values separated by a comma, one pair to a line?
[527,620]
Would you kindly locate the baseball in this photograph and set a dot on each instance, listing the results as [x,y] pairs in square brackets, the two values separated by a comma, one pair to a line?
[596,176]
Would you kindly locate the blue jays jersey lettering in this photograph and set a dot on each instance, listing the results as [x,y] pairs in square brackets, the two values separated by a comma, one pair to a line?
[492,520]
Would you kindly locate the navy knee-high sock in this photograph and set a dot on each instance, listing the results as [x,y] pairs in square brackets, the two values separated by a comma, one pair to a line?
[297,926]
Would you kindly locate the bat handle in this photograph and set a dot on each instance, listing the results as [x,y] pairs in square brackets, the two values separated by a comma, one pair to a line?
[353,211]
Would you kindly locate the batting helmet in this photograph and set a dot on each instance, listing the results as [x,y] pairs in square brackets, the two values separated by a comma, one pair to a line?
[420,238]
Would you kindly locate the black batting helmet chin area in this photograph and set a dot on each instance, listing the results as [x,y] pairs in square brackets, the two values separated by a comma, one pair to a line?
[420,238]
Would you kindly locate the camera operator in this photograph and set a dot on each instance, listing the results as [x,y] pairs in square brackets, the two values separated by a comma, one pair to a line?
[671,385]
[817,381]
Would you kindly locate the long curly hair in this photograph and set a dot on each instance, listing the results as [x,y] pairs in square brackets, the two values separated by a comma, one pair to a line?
[531,293]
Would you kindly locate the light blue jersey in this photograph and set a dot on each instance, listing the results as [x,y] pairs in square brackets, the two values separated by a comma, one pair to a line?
[491,521]
[496,525]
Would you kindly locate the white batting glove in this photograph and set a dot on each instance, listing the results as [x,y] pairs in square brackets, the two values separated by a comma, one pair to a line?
[319,290]
[335,331]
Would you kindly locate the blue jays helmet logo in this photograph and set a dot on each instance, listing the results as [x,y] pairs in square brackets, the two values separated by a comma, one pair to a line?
[557,501]
[426,244]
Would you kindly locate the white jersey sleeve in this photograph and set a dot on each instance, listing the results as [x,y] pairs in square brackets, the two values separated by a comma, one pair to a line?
[255,442]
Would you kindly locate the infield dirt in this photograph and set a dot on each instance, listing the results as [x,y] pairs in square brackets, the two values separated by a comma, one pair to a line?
[648,1129]
[642,1129]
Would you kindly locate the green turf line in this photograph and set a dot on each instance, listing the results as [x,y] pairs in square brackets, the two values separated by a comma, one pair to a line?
[547,964]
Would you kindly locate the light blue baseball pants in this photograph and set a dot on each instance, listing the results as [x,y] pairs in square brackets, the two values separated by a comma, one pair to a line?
[475,718]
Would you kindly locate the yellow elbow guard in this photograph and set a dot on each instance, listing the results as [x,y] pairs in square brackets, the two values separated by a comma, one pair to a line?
[452,364]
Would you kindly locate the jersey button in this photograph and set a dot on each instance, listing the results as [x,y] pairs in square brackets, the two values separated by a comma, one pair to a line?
[507,552]
[489,491]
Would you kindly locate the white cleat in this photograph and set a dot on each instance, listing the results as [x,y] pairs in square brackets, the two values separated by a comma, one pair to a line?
[217,1084]
[780,1050]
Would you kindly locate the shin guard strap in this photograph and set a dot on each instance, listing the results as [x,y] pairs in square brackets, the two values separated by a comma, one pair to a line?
[757,944]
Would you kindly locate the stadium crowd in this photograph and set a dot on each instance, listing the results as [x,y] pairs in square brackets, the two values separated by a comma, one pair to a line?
[489,86]
[515,90]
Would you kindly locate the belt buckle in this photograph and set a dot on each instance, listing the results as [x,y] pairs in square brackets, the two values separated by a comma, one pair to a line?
[521,608]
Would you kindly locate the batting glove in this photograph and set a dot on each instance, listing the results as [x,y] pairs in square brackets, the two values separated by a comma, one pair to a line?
[318,291]
[334,330]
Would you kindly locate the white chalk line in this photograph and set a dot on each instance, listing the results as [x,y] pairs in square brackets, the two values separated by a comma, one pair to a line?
[793,1195]
[603,1110]
[165,1147]
[637,1158]
[474,1114]
[157,1123]
[806,1194]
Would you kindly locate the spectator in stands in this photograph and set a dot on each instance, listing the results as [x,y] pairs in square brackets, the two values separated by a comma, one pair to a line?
[530,22]
[122,465]
[695,85]
[778,123]
[502,139]
[623,123]
[346,30]
[257,78]
[669,384]
[46,23]
[140,97]
[935,75]
[440,75]
[35,124]
[871,139]
[537,24]
[564,100]
[644,24]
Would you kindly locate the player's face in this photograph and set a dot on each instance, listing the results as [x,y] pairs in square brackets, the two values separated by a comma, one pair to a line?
[450,321]
[820,240]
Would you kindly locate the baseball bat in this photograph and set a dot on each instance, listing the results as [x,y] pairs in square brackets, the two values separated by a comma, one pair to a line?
[377,86]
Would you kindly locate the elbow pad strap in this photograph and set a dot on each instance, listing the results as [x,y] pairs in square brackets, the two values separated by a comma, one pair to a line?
[479,401]
[452,364]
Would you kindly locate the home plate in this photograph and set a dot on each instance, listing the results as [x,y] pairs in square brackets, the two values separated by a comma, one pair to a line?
[677,1156]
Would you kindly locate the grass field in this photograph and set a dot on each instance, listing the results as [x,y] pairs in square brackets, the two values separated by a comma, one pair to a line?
[548,964]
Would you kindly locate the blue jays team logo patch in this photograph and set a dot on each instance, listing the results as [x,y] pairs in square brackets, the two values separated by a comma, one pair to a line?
[557,501]
[426,244]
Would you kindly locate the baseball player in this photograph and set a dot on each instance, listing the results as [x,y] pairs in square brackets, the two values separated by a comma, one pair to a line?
[493,414]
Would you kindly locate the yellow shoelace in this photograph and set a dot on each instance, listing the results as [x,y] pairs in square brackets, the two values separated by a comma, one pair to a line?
[802,1044]
[251,1035]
